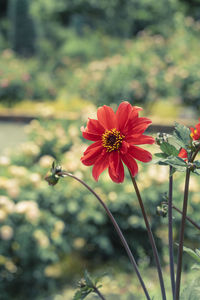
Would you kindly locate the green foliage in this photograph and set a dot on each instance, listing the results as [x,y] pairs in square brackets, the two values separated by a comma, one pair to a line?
[182,135]
[42,226]
[170,147]
[195,254]
[23,32]
[87,285]
[24,79]
[191,291]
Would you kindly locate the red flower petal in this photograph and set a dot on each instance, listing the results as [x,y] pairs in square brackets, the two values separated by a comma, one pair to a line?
[183,154]
[130,163]
[93,126]
[106,117]
[122,114]
[100,165]
[140,154]
[138,139]
[92,154]
[124,147]
[90,136]
[116,168]
[140,125]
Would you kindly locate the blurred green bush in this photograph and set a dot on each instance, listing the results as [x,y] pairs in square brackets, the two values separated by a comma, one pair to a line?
[101,69]
[43,230]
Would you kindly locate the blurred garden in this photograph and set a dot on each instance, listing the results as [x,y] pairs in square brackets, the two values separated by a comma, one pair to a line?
[59,61]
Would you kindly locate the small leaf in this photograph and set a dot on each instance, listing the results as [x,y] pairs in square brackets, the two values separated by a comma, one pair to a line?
[169,149]
[192,253]
[88,279]
[161,155]
[182,134]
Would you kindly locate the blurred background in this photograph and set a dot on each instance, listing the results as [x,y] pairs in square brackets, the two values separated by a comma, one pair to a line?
[59,60]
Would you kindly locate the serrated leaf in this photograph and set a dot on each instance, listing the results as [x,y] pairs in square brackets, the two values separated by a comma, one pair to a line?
[182,134]
[169,149]
[176,162]
[172,140]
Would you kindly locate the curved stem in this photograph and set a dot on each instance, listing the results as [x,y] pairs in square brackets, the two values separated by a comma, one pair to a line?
[170,233]
[151,238]
[181,237]
[118,230]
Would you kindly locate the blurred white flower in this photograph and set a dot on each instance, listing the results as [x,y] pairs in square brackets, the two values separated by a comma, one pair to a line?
[29,209]
[3,215]
[35,178]
[4,160]
[30,149]
[6,204]
[12,187]
[41,238]
[17,171]
[46,161]
[112,196]
[10,266]
[6,232]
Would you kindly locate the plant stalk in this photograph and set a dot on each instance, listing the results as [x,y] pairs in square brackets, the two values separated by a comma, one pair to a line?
[181,237]
[118,230]
[96,290]
[187,218]
[170,232]
[151,238]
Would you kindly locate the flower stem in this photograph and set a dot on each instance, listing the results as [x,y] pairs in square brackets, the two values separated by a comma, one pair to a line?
[118,230]
[151,238]
[96,290]
[187,218]
[170,232]
[181,237]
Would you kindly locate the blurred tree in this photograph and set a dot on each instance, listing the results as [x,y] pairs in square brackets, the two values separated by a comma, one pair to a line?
[192,8]
[22,27]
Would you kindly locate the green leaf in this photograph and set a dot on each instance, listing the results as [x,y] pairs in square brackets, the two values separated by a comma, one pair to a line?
[191,291]
[80,295]
[161,155]
[176,162]
[169,149]
[192,253]
[88,279]
[172,140]
[182,135]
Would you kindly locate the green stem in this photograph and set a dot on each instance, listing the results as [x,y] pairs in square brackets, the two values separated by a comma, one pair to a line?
[170,233]
[151,238]
[181,237]
[118,230]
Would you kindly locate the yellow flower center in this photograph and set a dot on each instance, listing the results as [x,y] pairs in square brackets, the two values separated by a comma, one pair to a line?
[192,134]
[112,140]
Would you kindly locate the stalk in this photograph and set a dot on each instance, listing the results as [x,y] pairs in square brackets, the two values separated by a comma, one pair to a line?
[170,232]
[117,228]
[187,218]
[96,290]
[181,237]
[151,238]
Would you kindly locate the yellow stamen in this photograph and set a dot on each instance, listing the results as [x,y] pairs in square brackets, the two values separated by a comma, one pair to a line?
[112,139]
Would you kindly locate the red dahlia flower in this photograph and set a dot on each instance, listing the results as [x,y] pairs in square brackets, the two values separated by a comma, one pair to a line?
[195,132]
[115,136]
